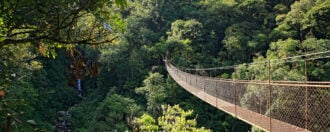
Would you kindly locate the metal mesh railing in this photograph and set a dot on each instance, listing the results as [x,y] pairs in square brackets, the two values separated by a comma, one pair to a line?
[302,104]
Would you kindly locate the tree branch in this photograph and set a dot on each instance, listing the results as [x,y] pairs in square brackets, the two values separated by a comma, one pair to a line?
[75,15]
[54,39]
[86,41]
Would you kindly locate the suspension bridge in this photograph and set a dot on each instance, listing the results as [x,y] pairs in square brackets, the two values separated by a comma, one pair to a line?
[269,103]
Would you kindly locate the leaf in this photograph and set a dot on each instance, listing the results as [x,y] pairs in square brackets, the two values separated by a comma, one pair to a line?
[31,122]
[121,3]
[2,39]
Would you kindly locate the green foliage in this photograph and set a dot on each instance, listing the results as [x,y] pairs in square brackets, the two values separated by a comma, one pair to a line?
[190,29]
[173,119]
[147,123]
[225,76]
[254,9]
[283,48]
[154,91]
[137,36]
[305,19]
[316,19]
[121,3]
[20,96]
[112,112]
[75,22]
[179,43]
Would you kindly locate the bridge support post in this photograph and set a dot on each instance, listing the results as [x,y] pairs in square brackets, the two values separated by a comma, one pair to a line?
[269,96]
[204,85]
[306,96]
[196,81]
[235,97]
[210,73]
[185,72]
[190,77]
[216,94]
[235,94]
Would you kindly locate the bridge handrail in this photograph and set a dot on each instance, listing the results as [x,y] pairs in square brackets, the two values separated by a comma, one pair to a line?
[307,99]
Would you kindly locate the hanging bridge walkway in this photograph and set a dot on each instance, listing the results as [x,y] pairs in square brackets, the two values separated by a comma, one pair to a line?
[271,105]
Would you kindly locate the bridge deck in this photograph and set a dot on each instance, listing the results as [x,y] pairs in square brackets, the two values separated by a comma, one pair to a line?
[261,121]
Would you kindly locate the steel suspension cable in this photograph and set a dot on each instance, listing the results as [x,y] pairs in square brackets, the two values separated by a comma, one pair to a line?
[279,61]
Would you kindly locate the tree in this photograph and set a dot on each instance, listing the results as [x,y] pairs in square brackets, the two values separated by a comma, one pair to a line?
[173,119]
[147,123]
[317,69]
[315,21]
[253,10]
[304,20]
[183,40]
[243,40]
[113,113]
[16,68]
[154,91]
[29,21]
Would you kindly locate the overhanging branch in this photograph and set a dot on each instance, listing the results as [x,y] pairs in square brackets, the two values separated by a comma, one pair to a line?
[54,39]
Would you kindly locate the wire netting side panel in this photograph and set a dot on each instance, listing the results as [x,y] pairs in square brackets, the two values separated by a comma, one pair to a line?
[318,114]
[189,78]
[253,97]
[288,105]
[226,91]
[193,81]
[210,87]
[200,83]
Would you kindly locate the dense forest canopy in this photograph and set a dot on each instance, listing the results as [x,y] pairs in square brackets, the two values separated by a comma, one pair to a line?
[64,22]
[116,49]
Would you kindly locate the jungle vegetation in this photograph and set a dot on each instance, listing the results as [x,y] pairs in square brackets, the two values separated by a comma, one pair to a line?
[116,48]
